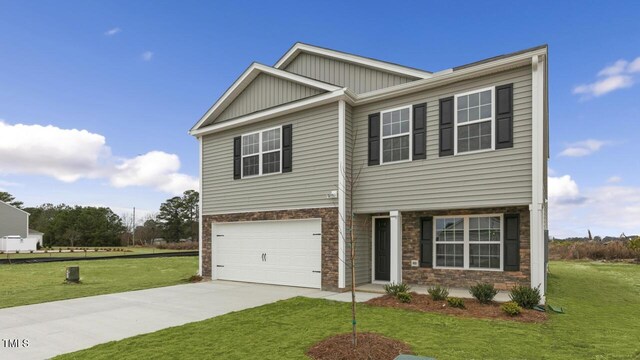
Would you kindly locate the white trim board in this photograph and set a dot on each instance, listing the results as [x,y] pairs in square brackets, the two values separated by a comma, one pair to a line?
[246,78]
[298,48]
[342,194]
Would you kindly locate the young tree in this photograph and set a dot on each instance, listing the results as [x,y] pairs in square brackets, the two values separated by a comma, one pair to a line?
[350,176]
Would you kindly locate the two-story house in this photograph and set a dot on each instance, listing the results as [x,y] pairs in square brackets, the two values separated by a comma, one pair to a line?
[440,176]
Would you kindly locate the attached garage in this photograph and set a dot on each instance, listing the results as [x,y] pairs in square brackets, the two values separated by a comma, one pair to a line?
[281,252]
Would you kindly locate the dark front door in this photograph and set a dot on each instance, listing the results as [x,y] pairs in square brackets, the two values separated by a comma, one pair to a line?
[383,249]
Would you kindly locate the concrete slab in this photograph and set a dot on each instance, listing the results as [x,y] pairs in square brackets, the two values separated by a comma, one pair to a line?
[64,326]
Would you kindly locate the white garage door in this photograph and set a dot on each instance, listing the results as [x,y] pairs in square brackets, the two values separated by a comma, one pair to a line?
[284,252]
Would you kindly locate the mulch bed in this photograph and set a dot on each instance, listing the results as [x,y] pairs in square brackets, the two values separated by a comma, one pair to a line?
[473,309]
[370,347]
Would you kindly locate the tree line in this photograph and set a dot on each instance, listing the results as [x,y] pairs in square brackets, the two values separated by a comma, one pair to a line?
[65,225]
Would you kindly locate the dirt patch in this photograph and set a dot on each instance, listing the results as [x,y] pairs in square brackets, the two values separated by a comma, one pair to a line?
[473,309]
[370,346]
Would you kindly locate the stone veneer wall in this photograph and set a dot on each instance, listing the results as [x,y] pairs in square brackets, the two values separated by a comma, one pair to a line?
[502,280]
[329,240]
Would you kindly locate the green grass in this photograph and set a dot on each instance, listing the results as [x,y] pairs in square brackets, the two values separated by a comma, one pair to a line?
[23,284]
[79,253]
[602,322]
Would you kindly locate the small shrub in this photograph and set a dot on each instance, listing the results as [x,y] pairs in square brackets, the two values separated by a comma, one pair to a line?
[455,302]
[511,308]
[195,278]
[438,292]
[394,289]
[404,297]
[484,292]
[634,246]
[59,250]
[525,296]
[71,250]
[31,251]
[183,245]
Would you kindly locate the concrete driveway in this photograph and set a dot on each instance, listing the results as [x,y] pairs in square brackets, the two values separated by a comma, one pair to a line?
[64,326]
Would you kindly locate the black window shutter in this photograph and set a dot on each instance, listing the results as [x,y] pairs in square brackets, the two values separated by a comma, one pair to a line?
[287,149]
[419,131]
[511,242]
[237,157]
[426,242]
[504,116]
[374,139]
[446,126]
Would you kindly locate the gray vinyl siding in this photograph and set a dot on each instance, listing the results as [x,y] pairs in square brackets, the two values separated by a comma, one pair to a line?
[13,221]
[358,78]
[364,244]
[266,91]
[315,167]
[494,178]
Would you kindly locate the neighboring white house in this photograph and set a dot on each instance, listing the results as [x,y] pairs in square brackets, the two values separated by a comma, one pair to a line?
[14,230]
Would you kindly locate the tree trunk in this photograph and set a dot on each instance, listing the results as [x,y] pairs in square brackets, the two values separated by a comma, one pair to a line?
[353,285]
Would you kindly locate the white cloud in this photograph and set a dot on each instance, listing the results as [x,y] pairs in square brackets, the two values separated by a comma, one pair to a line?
[604,86]
[156,169]
[113,31]
[65,154]
[618,75]
[582,148]
[71,154]
[147,56]
[614,179]
[563,189]
[634,67]
[617,68]
[605,210]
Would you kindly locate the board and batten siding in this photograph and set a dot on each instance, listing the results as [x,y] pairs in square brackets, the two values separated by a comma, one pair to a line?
[266,91]
[494,178]
[315,167]
[357,78]
[13,221]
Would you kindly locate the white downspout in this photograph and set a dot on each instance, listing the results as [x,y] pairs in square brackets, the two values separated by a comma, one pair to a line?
[537,206]
[396,246]
[200,225]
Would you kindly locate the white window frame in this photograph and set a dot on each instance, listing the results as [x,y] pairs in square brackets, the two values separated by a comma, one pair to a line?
[456,125]
[410,134]
[259,153]
[467,242]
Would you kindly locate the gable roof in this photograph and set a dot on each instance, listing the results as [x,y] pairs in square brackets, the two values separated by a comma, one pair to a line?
[447,76]
[389,67]
[14,208]
[245,79]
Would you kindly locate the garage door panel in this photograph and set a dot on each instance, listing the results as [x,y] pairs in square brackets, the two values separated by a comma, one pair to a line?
[292,248]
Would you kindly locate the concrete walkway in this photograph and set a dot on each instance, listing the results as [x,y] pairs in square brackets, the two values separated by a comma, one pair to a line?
[501,296]
[60,327]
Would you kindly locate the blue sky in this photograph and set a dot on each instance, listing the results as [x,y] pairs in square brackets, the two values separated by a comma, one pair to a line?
[136,75]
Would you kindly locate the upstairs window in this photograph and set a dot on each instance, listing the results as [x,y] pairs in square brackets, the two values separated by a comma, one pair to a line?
[261,153]
[396,135]
[474,121]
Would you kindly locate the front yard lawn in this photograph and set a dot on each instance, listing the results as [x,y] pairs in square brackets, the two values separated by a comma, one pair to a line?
[602,303]
[23,284]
